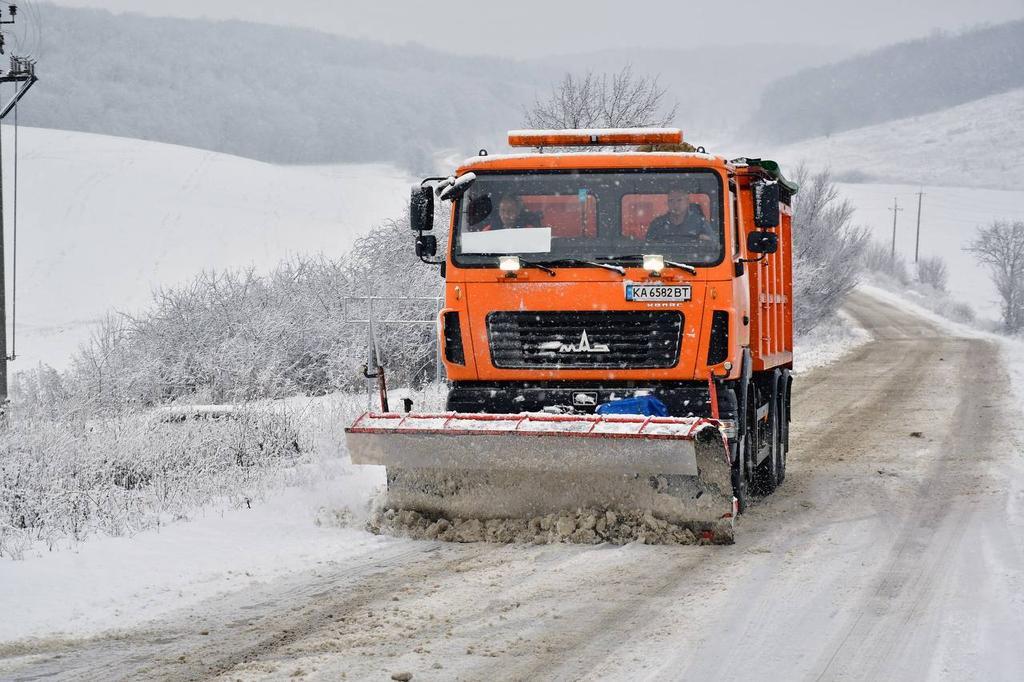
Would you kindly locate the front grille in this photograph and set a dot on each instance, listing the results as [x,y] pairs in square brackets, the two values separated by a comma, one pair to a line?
[599,339]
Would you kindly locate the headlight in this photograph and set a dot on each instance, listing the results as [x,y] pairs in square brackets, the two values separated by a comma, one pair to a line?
[508,263]
[654,264]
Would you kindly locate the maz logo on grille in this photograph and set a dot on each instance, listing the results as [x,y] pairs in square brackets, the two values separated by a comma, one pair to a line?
[583,346]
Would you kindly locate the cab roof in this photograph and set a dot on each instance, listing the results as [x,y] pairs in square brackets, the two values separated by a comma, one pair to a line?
[592,161]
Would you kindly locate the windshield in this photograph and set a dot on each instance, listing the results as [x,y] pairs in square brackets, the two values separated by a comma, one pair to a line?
[550,217]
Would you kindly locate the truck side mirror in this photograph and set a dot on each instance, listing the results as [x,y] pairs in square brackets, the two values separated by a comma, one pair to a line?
[421,209]
[426,245]
[766,203]
[762,242]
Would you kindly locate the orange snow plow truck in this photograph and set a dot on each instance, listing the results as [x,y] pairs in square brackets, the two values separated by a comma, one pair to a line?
[617,334]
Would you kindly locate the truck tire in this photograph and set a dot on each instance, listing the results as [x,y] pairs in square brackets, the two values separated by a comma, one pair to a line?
[744,471]
[766,474]
[778,450]
[740,489]
[785,416]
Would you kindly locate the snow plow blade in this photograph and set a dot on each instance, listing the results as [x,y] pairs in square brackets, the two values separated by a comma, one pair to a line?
[488,466]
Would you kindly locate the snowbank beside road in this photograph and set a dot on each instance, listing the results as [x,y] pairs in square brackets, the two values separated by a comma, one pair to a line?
[903,301]
[111,583]
[312,514]
[828,342]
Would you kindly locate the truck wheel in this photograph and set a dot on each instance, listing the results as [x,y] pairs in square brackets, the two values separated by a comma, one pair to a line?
[766,474]
[742,481]
[780,447]
[784,419]
[739,477]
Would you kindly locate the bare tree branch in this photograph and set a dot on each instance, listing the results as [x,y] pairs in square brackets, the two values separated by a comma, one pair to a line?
[1000,246]
[617,100]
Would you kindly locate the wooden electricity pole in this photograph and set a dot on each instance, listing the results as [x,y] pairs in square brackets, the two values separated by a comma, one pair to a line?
[917,240]
[23,74]
[895,209]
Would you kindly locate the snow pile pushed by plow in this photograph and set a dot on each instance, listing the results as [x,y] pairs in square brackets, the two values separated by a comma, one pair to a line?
[583,526]
[515,478]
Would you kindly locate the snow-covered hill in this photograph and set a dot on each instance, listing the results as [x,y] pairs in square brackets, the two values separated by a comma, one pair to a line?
[104,220]
[968,160]
[978,144]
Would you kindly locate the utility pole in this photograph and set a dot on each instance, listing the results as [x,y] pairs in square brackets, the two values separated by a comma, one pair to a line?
[895,210]
[23,74]
[917,240]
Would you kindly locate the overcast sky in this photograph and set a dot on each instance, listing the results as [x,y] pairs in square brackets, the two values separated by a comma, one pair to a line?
[538,27]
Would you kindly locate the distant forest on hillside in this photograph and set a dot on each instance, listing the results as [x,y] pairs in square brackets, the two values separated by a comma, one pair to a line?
[291,95]
[906,79]
[269,93]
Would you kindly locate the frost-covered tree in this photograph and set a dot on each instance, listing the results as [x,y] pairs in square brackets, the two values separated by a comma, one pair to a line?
[932,271]
[1000,247]
[608,100]
[827,250]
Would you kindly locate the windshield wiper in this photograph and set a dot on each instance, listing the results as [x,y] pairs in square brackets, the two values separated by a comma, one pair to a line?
[542,268]
[579,261]
[636,256]
[522,263]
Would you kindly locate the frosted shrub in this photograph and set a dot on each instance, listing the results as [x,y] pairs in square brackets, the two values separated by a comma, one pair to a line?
[929,284]
[959,311]
[932,272]
[879,258]
[93,450]
[63,480]
[827,250]
[237,336]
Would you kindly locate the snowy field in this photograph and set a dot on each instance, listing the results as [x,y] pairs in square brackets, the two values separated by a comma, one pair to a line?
[102,221]
[949,218]
[978,144]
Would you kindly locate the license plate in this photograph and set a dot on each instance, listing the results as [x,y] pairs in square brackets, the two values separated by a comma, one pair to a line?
[657,292]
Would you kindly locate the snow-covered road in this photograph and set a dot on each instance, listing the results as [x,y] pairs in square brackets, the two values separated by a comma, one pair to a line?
[894,550]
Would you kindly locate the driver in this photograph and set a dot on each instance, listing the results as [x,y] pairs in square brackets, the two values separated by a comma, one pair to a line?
[684,220]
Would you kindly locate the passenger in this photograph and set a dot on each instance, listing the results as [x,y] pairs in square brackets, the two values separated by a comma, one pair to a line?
[683,221]
[511,215]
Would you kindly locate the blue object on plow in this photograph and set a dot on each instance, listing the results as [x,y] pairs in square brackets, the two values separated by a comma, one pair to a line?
[646,405]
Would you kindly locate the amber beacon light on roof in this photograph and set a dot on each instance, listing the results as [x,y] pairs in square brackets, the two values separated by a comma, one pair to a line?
[594,137]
